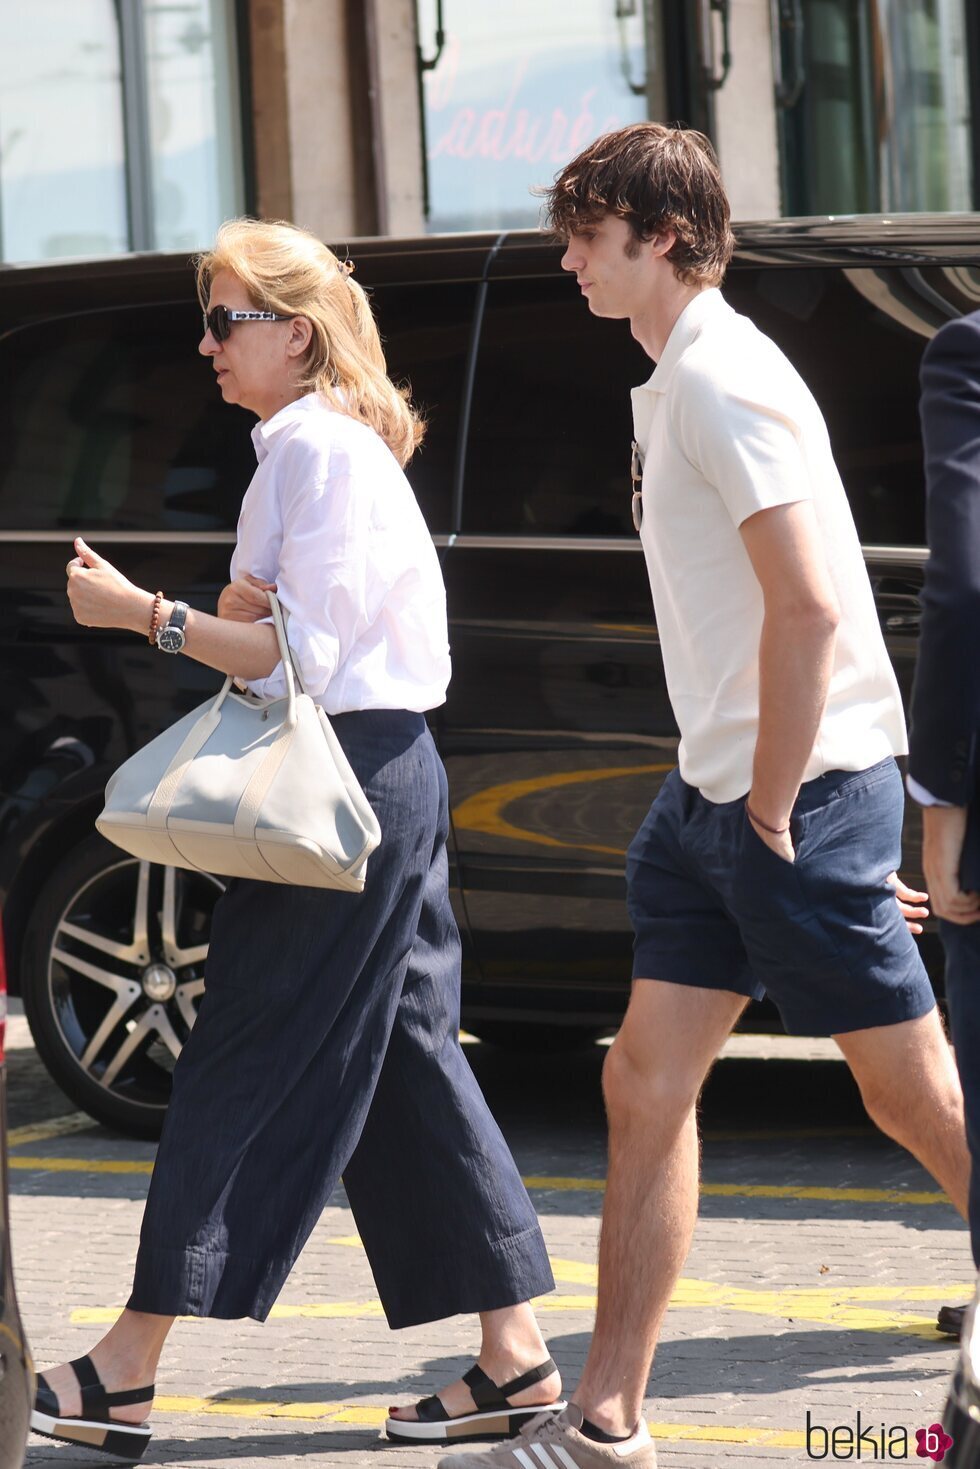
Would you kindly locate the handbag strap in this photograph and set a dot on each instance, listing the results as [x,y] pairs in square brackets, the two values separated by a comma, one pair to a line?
[290,663]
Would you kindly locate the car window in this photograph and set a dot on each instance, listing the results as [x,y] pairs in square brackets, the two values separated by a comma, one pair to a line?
[551,424]
[111,420]
[425,332]
[551,420]
[859,355]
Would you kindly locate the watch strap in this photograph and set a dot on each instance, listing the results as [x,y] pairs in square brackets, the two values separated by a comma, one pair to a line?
[178,616]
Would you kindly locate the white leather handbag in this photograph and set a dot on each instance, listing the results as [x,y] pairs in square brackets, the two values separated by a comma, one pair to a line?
[247,787]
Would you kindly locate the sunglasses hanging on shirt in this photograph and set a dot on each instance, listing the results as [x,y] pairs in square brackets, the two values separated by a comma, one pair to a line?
[636,475]
[219,320]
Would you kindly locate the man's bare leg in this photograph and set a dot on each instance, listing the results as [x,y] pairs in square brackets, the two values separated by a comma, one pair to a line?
[911,1089]
[651,1079]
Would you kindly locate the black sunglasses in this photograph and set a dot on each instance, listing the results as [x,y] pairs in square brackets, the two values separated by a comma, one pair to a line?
[636,475]
[218,321]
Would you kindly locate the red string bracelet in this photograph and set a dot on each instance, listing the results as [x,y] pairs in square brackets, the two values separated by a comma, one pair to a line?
[776,831]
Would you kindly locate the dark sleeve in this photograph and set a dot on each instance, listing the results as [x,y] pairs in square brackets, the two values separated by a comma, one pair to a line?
[945,711]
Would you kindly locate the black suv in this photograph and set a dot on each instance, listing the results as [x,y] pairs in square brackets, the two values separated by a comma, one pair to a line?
[557,731]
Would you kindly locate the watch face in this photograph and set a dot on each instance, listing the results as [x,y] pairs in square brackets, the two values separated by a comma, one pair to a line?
[170,639]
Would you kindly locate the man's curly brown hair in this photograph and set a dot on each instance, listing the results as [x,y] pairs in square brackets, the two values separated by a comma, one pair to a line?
[656,178]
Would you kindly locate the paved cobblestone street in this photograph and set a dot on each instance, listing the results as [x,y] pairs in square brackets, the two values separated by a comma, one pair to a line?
[819,1262]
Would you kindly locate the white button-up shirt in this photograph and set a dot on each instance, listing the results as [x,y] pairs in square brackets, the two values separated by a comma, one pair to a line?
[728,428]
[330,517]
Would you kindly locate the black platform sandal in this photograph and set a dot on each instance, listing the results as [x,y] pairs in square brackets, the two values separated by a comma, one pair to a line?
[495,1417]
[94,1428]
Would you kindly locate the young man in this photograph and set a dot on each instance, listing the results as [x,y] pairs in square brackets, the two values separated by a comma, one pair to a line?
[767,862]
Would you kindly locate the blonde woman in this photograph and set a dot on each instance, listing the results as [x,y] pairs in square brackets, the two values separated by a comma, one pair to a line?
[327,1041]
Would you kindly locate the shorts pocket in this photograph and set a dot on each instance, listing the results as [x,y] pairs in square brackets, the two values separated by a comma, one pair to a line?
[765,887]
[751,838]
[858,832]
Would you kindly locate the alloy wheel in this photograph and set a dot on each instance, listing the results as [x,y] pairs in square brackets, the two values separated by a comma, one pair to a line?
[126,975]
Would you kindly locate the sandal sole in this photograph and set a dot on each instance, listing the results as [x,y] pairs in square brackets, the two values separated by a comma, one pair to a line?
[468,1428]
[121,1440]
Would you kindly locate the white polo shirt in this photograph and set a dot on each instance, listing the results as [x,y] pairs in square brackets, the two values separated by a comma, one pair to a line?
[727,427]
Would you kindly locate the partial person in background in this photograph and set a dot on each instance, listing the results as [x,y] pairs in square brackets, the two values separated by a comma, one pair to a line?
[944,762]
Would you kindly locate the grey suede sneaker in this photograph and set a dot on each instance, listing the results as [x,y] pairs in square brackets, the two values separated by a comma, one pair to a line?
[553,1441]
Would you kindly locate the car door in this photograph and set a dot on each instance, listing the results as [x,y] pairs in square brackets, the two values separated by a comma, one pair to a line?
[557,732]
[427,332]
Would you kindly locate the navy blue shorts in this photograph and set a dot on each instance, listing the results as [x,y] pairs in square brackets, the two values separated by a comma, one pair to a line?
[713,906]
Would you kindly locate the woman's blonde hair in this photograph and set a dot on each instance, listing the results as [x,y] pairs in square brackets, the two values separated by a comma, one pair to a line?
[288,270]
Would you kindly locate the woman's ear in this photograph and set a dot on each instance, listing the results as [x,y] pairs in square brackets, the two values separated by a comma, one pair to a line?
[300,336]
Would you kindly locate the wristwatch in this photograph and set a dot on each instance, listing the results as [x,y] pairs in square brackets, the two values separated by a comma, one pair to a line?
[170,639]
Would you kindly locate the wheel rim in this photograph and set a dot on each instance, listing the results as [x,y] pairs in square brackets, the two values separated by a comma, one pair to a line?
[126,975]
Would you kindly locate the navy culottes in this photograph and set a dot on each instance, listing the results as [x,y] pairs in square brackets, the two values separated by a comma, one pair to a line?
[327,1044]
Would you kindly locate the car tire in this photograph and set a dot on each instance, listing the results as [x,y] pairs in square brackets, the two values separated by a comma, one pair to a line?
[112,975]
[524,1037]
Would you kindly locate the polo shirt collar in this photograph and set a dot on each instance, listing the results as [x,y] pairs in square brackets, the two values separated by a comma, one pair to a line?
[706,306]
[264,433]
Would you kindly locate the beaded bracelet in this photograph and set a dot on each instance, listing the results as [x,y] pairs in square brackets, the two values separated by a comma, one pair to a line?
[155,619]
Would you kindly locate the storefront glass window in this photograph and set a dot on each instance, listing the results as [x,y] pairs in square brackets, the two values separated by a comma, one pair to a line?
[520,89]
[62,152]
[926,147]
[882,122]
[194,133]
[95,160]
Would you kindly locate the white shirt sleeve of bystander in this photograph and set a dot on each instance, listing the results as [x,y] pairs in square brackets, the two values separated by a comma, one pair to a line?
[920,795]
[323,567]
[748,448]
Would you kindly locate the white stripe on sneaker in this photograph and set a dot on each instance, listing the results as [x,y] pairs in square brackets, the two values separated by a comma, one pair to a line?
[525,1460]
[544,1456]
[564,1456]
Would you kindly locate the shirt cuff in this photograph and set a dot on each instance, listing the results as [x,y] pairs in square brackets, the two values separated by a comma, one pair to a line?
[919,793]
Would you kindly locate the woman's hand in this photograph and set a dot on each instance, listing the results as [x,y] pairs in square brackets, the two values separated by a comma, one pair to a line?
[245,600]
[100,596]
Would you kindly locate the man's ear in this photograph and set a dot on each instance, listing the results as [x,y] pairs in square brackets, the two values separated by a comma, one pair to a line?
[300,336]
[662,243]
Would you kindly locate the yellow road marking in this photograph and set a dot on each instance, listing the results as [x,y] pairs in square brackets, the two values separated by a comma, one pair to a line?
[767,1438]
[825,1305]
[247,1408]
[566,1185]
[829,1195]
[56,1127]
[762,1191]
[483,811]
[369,1416]
[80,1165]
[574,1272]
[560,1184]
[579,1272]
[319,1311]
